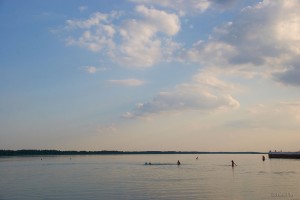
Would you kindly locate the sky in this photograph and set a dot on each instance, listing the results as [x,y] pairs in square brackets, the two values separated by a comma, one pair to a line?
[138,75]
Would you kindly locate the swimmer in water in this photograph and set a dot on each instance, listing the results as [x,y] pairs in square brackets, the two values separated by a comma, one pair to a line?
[233,164]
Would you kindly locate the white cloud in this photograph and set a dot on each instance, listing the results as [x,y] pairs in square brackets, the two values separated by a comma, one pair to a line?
[161,20]
[141,42]
[186,7]
[93,69]
[140,46]
[212,53]
[127,82]
[209,80]
[180,6]
[94,41]
[263,40]
[96,32]
[201,95]
[95,19]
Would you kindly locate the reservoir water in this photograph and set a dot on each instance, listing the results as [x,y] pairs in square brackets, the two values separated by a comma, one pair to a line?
[127,177]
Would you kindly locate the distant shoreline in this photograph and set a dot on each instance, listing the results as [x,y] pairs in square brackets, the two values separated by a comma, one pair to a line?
[105,152]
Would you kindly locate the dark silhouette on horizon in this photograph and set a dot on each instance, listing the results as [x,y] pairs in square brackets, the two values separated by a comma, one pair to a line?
[30,152]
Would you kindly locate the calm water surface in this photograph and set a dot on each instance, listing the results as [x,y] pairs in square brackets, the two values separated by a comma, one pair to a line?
[126,177]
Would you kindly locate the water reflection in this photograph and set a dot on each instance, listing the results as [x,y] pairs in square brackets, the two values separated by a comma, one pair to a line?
[127,177]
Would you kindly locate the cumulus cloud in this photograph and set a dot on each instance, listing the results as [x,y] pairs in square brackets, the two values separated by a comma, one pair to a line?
[202,94]
[162,21]
[96,32]
[180,6]
[263,40]
[266,34]
[209,79]
[127,82]
[96,20]
[140,46]
[142,42]
[212,53]
[185,7]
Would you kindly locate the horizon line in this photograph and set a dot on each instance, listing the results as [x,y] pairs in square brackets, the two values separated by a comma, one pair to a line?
[112,152]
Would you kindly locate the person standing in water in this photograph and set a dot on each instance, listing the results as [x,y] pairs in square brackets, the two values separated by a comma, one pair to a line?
[263,158]
[178,162]
[233,164]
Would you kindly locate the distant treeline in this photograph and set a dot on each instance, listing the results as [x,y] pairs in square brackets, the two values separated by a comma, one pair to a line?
[104,152]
